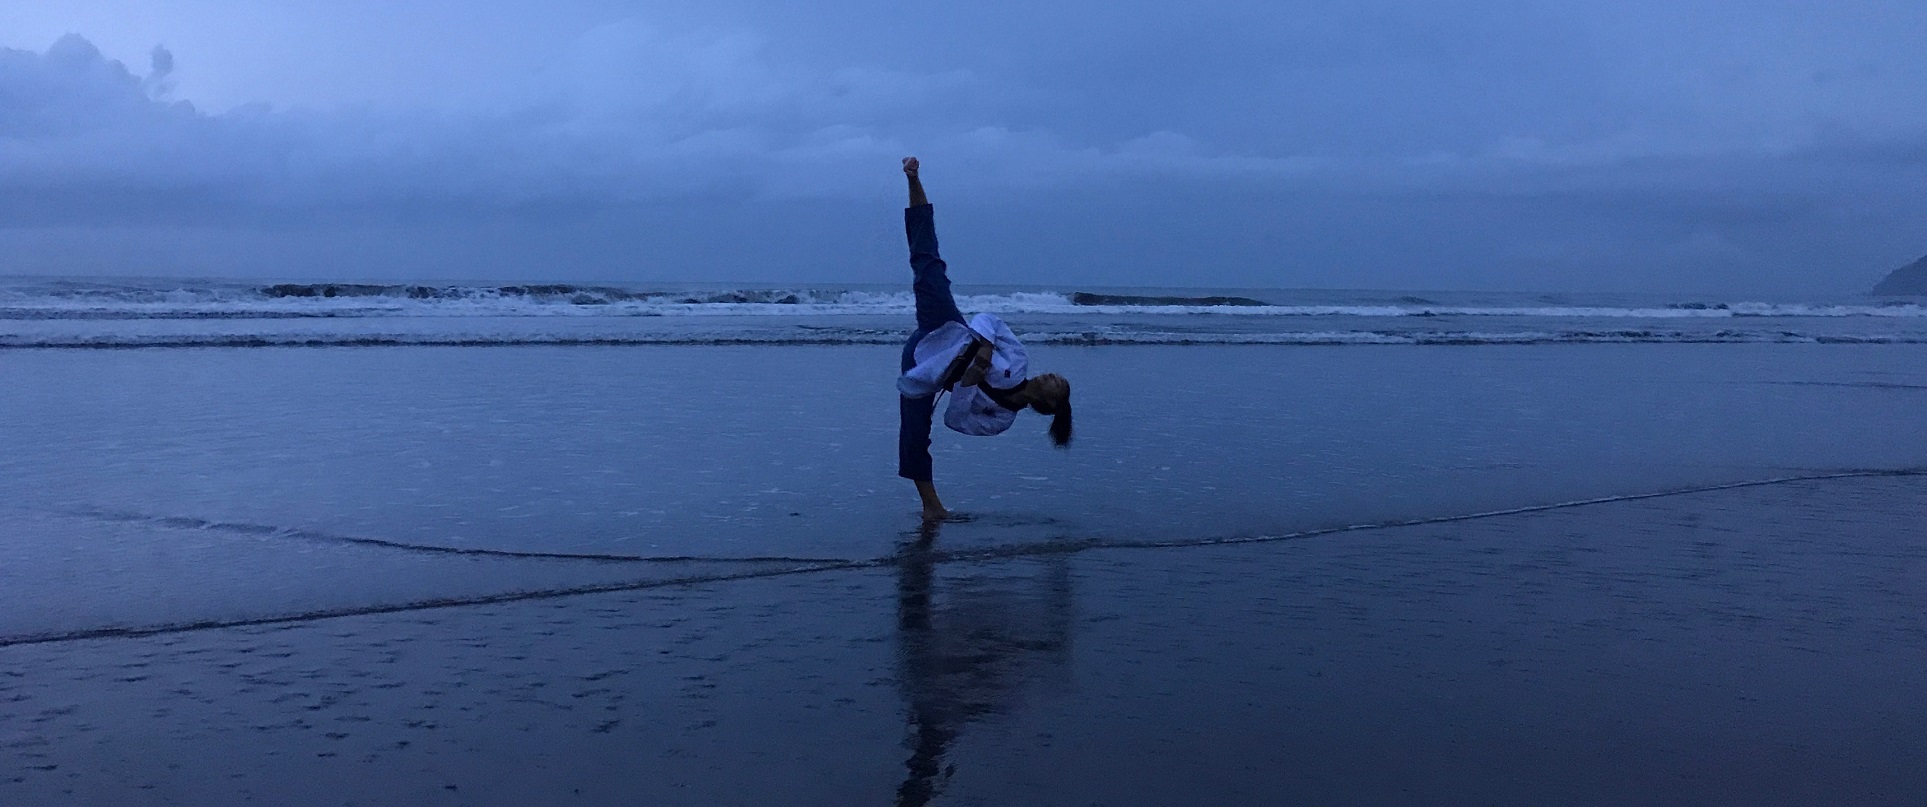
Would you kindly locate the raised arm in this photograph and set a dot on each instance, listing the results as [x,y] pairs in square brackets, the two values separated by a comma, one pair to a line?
[916,185]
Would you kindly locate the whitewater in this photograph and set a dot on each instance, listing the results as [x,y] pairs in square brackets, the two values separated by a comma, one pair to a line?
[156,313]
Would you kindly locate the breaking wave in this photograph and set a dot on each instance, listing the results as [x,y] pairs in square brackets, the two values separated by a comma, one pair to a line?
[833,336]
[106,301]
[171,313]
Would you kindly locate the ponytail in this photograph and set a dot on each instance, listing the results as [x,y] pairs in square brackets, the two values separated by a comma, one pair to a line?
[1060,424]
[1054,399]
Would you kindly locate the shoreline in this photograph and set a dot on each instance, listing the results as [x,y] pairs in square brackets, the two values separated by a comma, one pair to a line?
[1438,650]
[830,565]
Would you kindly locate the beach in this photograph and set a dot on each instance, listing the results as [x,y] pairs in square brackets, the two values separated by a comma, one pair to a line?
[429,404]
[1751,646]
[1509,572]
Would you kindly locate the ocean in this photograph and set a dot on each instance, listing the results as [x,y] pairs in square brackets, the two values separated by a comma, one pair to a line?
[726,423]
[174,313]
[178,457]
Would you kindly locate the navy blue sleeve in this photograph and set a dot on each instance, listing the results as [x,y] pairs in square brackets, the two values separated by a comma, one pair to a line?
[935,305]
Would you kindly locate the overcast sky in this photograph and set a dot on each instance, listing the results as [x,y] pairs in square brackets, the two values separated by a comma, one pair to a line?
[1761,146]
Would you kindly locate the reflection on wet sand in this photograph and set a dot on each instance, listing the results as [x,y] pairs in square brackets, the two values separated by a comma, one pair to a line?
[969,645]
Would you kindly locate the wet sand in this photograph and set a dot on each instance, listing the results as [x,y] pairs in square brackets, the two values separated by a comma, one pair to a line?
[1751,646]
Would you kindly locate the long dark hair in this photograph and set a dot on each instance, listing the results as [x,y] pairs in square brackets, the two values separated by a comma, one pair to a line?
[1058,406]
[1060,424]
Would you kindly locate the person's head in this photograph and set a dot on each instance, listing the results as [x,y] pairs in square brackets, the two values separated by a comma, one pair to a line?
[1050,395]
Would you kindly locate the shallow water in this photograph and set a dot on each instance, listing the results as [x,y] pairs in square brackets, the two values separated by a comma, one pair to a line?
[772,630]
[733,452]
[1746,647]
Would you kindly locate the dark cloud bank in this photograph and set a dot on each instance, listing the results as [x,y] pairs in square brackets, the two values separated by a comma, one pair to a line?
[654,155]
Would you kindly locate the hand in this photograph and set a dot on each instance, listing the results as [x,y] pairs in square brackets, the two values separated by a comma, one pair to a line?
[910,166]
[978,367]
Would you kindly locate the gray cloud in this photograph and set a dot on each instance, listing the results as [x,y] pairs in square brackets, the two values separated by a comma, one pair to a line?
[633,114]
[1520,143]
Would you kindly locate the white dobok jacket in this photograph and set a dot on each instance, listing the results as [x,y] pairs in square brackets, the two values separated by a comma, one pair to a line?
[971,411]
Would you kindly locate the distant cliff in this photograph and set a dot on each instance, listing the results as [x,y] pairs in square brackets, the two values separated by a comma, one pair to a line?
[1909,279]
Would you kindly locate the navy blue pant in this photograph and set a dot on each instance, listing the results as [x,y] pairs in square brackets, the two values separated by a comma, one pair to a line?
[935,306]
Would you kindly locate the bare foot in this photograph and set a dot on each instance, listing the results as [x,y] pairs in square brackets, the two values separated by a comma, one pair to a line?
[932,514]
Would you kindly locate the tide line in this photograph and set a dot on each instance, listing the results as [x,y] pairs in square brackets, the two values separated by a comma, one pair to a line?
[263,530]
[908,556]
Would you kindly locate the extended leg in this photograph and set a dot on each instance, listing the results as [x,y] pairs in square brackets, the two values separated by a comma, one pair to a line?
[913,437]
[935,305]
[913,451]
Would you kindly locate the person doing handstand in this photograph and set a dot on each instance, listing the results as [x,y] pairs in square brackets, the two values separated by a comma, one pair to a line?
[979,362]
